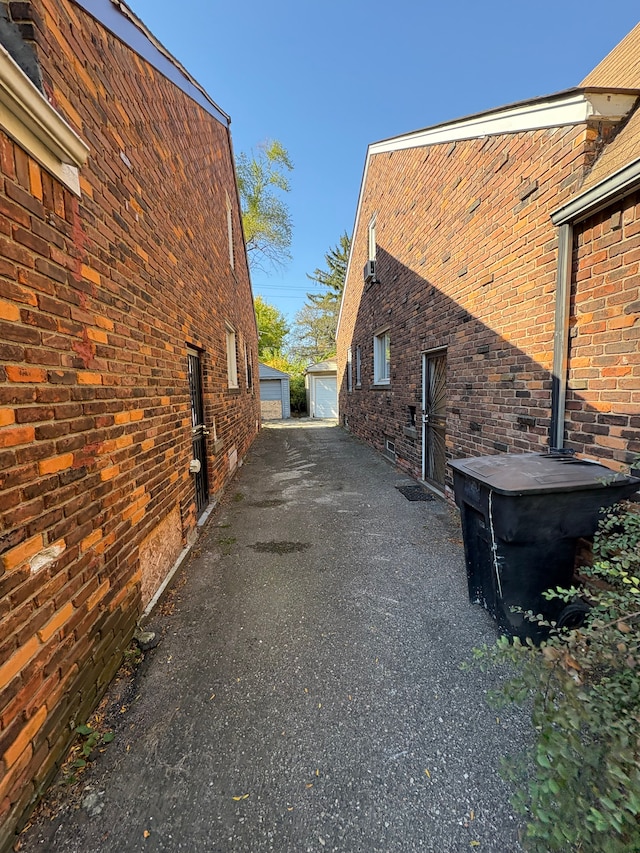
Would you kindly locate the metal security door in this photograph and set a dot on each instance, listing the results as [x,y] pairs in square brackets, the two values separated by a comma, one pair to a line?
[434,416]
[199,432]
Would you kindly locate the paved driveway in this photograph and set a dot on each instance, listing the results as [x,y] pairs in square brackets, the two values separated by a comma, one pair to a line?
[307,693]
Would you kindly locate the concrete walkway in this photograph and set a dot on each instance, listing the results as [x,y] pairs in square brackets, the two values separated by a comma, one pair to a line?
[307,693]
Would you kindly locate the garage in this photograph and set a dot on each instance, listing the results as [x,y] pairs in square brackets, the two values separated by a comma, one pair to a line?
[274,393]
[322,390]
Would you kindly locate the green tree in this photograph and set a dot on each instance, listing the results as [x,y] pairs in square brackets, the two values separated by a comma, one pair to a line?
[262,178]
[334,276]
[317,320]
[272,328]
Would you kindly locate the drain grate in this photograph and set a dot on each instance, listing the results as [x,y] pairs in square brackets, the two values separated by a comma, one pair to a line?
[415,493]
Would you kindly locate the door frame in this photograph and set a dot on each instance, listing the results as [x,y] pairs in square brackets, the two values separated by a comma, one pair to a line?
[199,430]
[425,355]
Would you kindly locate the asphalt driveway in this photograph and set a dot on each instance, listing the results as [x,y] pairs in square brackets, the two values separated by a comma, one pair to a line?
[307,692]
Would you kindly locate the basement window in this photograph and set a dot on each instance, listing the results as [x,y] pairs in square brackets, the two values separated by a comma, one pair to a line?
[390,448]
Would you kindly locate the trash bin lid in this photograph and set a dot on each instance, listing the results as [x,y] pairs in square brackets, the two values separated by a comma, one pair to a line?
[520,473]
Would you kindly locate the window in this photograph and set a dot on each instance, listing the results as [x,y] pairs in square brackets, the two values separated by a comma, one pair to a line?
[232,358]
[230,232]
[372,238]
[382,359]
[349,370]
[358,367]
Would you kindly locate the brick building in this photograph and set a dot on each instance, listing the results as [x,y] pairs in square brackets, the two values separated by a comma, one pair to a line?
[128,348]
[489,301]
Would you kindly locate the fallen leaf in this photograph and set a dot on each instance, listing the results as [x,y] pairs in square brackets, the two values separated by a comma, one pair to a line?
[318,772]
[427,774]
[319,704]
[290,808]
[310,785]
[472,814]
[474,844]
[213,696]
[624,627]
[146,833]
[243,797]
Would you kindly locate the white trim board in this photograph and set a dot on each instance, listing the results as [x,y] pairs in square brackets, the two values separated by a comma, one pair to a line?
[573,108]
[30,120]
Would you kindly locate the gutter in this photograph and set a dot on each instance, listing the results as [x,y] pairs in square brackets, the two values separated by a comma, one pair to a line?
[561,336]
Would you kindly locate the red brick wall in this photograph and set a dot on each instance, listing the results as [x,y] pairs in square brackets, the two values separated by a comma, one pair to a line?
[466,259]
[99,297]
[603,400]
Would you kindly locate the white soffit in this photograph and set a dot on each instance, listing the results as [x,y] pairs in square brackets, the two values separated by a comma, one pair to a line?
[573,108]
[31,121]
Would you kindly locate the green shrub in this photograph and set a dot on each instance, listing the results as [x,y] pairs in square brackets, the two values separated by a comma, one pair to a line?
[297,394]
[579,783]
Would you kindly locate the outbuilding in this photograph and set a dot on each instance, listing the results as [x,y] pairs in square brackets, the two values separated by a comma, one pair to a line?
[321,381]
[274,393]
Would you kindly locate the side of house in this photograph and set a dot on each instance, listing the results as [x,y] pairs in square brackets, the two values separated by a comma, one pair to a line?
[602,415]
[449,316]
[128,348]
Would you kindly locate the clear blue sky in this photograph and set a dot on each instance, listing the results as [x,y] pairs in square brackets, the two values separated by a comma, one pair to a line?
[328,77]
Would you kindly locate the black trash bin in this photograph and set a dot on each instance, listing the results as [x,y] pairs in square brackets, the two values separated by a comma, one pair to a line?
[521,516]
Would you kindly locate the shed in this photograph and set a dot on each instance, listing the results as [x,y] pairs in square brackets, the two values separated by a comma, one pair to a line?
[321,381]
[274,393]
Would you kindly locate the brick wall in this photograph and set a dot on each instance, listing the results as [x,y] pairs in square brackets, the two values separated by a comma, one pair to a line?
[466,260]
[99,298]
[603,399]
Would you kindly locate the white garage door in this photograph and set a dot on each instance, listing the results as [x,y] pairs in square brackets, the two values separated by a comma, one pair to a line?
[326,397]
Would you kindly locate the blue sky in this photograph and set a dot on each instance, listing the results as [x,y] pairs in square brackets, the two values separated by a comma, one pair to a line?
[327,78]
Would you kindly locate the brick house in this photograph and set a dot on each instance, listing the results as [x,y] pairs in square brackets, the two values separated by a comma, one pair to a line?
[128,347]
[500,287]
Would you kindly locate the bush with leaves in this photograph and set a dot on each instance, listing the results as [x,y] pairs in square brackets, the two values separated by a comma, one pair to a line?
[579,783]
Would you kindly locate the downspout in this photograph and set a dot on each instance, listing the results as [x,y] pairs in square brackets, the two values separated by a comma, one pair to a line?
[561,335]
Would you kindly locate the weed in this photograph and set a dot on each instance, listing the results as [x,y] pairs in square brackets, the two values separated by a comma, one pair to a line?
[579,784]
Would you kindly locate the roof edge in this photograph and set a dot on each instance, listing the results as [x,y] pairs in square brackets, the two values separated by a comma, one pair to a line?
[120,20]
[599,196]
[28,118]
[572,106]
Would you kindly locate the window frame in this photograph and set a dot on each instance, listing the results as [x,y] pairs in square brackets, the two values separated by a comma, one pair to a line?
[232,357]
[382,357]
[349,369]
[371,236]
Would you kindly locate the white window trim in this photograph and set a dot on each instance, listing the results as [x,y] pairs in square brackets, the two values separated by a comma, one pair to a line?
[381,365]
[358,367]
[349,369]
[30,120]
[232,357]
[372,237]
